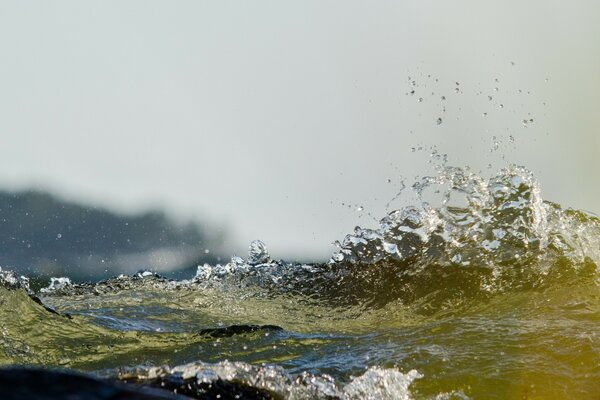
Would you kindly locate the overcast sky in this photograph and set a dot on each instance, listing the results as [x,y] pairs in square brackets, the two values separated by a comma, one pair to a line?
[268,115]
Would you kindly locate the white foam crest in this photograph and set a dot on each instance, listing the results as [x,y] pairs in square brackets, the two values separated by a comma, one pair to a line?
[374,383]
[476,221]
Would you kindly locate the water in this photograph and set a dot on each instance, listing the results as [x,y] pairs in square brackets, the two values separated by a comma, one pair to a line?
[481,290]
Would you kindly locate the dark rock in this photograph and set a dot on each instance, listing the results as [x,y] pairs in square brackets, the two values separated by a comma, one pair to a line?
[23,383]
[237,330]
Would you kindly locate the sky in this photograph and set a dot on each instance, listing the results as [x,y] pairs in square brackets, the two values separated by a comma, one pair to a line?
[279,119]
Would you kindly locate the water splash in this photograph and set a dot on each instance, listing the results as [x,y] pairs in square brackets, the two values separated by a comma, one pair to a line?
[491,223]
[198,378]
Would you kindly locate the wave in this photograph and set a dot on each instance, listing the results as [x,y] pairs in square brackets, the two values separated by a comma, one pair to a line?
[486,236]
[441,288]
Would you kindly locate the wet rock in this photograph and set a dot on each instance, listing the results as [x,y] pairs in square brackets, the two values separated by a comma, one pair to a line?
[232,330]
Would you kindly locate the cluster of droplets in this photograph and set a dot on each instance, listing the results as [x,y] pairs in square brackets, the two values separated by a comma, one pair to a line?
[427,88]
[483,222]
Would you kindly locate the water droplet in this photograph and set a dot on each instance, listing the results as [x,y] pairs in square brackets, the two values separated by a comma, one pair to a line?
[237,260]
[495,89]
[206,251]
[420,100]
[527,122]
[59,236]
[359,208]
[457,90]
[258,253]
[443,98]
[489,98]
[501,105]
[484,114]
[390,248]
[439,121]
[338,257]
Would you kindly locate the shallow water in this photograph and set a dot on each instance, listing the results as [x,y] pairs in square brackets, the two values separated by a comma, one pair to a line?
[492,293]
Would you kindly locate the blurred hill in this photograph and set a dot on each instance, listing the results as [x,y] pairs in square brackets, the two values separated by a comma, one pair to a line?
[41,235]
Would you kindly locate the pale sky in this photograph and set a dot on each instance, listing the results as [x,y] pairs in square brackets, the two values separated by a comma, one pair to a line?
[268,115]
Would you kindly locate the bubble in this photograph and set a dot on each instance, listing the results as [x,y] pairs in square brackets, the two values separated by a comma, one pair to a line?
[420,100]
[439,121]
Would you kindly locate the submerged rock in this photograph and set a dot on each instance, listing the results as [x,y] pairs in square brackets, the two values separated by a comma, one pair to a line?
[233,330]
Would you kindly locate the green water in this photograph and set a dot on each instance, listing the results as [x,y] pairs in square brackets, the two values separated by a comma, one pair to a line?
[496,299]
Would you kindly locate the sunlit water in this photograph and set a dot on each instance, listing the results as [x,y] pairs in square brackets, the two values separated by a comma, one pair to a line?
[487,292]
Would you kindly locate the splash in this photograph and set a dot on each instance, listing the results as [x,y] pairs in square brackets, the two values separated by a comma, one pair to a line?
[498,223]
[479,275]
[199,379]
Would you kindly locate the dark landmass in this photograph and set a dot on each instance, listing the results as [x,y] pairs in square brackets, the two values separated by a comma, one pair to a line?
[41,235]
